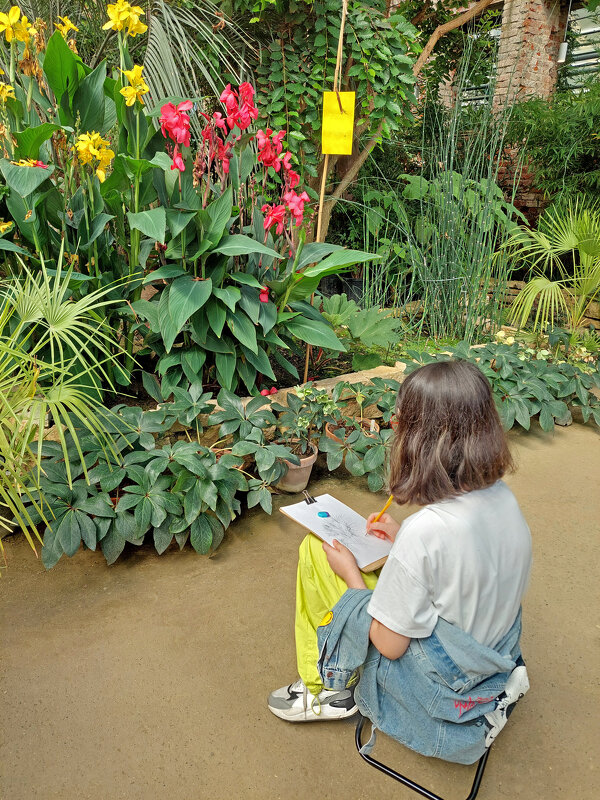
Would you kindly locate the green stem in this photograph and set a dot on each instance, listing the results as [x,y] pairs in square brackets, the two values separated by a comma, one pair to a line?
[91,204]
[13,60]
[134,257]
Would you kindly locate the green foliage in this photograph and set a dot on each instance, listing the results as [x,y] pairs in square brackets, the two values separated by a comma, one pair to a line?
[567,243]
[53,353]
[526,387]
[298,65]
[371,327]
[304,416]
[561,142]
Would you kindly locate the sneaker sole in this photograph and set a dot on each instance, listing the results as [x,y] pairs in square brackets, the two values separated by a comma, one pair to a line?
[300,716]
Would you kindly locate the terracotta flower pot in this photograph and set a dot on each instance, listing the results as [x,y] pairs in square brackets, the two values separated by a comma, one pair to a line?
[297,477]
[365,424]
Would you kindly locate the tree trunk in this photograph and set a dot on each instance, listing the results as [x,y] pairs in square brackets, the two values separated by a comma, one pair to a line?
[442,30]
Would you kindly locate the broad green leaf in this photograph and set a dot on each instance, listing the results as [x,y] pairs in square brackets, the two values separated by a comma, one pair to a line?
[88,100]
[313,332]
[201,535]
[61,66]
[163,273]
[217,314]
[314,251]
[362,361]
[243,329]
[177,219]
[162,538]
[230,295]
[99,222]
[151,223]
[6,244]
[162,160]
[51,551]
[168,329]
[247,280]
[69,534]
[24,180]
[240,245]
[186,296]
[218,214]
[88,530]
[192,502]
[339,260]
[112,545]
[31,139]
[225,363]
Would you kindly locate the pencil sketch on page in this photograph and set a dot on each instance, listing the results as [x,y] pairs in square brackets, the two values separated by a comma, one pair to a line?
[343,524]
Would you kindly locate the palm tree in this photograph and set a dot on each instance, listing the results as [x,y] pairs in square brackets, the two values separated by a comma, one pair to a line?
[52,350]
[563,257]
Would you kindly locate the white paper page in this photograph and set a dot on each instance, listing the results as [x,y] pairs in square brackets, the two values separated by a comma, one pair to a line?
[343,524]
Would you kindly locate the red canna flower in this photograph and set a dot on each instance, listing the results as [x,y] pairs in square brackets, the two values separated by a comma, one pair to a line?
[224,153]
[178,162]
[275,216]
[264,295]
[295,202]
[265,392]
[175,123]
[274,390]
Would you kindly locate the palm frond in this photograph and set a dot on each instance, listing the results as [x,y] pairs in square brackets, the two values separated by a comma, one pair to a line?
[190,49]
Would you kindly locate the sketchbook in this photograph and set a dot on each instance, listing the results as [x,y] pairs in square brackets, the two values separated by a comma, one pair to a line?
[330,519]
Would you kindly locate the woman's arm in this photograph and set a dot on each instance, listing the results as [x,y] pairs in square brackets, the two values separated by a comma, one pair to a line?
[390,644]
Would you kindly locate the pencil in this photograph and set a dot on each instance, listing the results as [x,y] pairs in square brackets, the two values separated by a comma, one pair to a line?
[384,509]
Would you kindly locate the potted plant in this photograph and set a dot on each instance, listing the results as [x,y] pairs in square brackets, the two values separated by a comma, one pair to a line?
[358,397]
[299,424]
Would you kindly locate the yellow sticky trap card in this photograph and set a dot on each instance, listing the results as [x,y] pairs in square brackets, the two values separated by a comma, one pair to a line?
[338,123]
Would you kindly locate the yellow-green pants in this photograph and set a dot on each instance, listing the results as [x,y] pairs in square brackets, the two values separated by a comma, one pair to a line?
[318,589]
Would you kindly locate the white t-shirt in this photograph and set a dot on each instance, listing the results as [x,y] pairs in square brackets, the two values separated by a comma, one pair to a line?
[466,559]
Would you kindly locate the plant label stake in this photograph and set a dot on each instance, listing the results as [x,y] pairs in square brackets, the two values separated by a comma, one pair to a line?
[338,123]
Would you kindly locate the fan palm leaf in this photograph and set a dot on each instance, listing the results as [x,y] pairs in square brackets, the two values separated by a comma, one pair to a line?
[567,243]
[189,49]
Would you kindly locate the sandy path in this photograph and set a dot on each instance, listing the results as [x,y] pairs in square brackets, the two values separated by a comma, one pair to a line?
[148,679]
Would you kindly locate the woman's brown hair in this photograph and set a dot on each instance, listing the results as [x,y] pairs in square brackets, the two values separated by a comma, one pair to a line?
[449,438]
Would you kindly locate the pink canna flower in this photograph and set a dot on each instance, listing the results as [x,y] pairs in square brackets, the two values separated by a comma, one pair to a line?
[224,153]
[175,123]
[219,120]
[295,203]
[178,162]
[275,216]
[265,392]
[274,390]
[293,178]
[264,295]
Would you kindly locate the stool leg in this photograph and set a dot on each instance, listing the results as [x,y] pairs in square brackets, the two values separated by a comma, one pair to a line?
[416,787]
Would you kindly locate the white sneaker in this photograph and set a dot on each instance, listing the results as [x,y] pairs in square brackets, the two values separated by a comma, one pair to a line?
[516,686]
[295,703]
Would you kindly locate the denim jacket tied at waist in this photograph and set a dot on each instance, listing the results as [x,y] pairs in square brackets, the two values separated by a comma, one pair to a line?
[432,699]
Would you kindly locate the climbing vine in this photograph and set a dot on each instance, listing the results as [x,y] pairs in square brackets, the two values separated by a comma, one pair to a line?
[298,61]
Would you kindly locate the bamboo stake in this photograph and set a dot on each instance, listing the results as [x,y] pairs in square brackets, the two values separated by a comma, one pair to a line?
[336,88]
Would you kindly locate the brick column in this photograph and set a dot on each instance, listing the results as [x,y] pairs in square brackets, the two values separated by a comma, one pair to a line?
[532,31]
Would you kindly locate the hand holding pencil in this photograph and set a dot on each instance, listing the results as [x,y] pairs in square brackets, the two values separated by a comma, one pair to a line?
[382,525]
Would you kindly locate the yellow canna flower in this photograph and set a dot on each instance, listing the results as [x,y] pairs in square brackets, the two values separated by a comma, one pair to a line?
[124,16]
[15,26]
[92,147]
[134,26]
[7,92]
[66,26]
[5,226]
[9,23]
[138,85]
